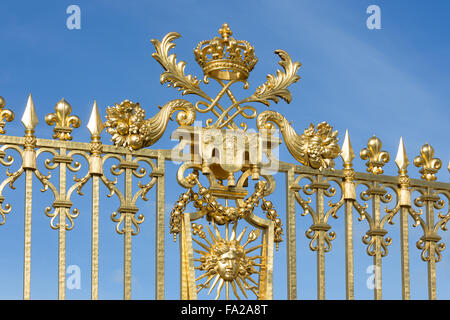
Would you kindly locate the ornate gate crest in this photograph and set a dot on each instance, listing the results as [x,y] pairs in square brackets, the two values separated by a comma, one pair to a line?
[228,154]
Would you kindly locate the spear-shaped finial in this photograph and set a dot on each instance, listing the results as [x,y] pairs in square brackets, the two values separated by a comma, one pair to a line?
[95,127]
[347,153]
[401,160]
[95,124]
[29,118]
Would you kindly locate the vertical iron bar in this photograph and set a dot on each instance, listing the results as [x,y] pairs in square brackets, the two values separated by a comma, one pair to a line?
[404,252]
[95,236]
[291,237]
[377,256]
[95,127]
[321,244]
[160,230]
[27,240]
[349,263]
[404,198]
[29,120]
[62,230]
[348,188]
[127,233]
[431,263]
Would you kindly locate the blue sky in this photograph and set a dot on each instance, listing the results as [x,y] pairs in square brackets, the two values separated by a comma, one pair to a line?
[391,82]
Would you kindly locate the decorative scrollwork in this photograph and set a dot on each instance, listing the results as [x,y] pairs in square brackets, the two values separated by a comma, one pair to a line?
[320,218]
[429,243]
[430,249]
[371,238]
[374,237]
[12,177]
[313,234]
[145,188]
[120,216]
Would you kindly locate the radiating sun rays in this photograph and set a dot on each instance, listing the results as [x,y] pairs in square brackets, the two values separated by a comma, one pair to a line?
[224,262]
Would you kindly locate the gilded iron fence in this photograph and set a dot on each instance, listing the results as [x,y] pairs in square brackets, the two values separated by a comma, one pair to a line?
[62,153]
[379,189]
[220,162]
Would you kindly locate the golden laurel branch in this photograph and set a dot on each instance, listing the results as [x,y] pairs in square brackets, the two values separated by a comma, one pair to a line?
[276,86]
[174,72]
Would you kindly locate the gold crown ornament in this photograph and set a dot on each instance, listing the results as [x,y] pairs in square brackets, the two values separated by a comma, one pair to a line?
[225,58]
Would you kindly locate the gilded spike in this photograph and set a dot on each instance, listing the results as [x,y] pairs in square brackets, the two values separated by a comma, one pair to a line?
[402,162]
[402,159]
[430,165]
[95,127]
[29,118]
[95,124]
[377,158]
[347,153]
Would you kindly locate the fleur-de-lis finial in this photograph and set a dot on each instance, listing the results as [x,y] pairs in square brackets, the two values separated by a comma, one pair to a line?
[225,31]
[62,120]
[5,114]
[430,165]
[377,158]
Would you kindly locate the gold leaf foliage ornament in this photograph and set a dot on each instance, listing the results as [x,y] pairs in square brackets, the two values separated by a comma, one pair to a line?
[224,59]
[276,86]
[127,124]
[228,61]
[316,147]
[174,72]
[273,89]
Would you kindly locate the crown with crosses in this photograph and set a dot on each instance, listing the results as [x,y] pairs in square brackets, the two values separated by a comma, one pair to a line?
[225,58]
